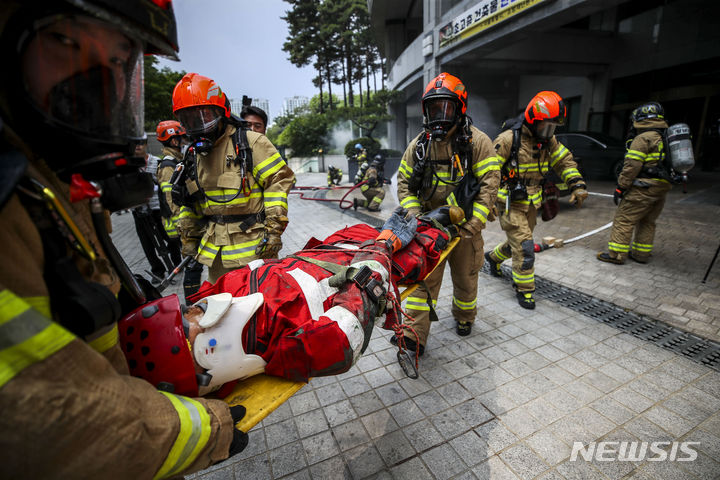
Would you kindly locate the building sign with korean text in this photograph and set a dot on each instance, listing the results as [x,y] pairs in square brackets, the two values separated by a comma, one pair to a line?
[480,17]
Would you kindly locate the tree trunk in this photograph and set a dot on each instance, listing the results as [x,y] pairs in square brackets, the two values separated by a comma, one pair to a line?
[367,81]
[320,83]
[361,92]
[382,72]
[348,60]
[345,102]
[329,80]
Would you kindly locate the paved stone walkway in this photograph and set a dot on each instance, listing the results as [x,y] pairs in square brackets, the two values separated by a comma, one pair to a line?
[510,400]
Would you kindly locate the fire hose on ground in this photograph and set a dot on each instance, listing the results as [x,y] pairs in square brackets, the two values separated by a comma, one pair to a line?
[552,242]
[300,191]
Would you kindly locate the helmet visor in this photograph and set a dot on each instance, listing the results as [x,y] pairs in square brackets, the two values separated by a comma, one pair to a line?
[200,120]
[440,110]
[545,129]
[85,75]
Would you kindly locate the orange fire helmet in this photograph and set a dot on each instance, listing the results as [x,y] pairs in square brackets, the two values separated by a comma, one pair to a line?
[195,90]
[546,105]
[168,129]
[446,86]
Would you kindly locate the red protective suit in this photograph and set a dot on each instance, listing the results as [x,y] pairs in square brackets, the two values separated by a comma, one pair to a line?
[307,328]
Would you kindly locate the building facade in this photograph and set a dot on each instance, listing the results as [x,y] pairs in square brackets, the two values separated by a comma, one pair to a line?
[604,57]
[293,103]
[262,103]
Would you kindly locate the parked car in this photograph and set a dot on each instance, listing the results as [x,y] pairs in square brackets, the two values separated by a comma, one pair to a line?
[598,156]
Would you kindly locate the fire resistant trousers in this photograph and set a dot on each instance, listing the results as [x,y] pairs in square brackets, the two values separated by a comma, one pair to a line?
[518,227]
[638,211]
[373,197]
[466,260]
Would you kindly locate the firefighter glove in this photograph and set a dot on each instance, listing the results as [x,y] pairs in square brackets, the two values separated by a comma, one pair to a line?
[619,193]
[240,438]
[398,230]
[190,247]
[578,196]
[269,246]
[372,182]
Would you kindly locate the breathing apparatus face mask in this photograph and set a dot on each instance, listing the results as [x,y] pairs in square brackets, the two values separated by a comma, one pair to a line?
[201,122]
[545,129]
[80,90]
[440,117]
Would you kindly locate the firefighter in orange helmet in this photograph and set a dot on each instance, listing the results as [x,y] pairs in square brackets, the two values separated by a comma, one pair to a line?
[238,179]
[450,162]
[526,152]
[71,100]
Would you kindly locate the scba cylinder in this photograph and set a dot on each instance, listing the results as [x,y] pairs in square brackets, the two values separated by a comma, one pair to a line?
[680,148]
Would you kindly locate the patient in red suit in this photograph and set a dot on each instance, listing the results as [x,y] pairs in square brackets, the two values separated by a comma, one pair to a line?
[309,314]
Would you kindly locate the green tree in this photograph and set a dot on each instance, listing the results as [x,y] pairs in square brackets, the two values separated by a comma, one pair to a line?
[305,134]
[373,112]
[159,86]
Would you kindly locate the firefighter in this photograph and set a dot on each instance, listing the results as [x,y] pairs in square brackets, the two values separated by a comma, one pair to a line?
[256,118]
[313,312]
[161,246]
[642,187]
[71,105]
[373,190]
[450,162]
[362,162]
[239,179]
[173,136]
[334,176]
[526,152]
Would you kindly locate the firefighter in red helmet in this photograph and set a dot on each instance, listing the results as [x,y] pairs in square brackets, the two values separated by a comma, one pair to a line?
[450,162]
[239,180]
[526,152]
[71,104]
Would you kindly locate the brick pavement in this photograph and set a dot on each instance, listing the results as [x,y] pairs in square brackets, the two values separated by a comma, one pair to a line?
[509,400]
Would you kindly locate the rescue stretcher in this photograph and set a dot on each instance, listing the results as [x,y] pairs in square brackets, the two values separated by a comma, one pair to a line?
[262,394]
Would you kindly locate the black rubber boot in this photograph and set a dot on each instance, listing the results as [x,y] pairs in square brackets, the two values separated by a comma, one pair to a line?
[410,344]
[495,270]
[355,204]
[637,259]
[526,299]
[605,257]
[463,328]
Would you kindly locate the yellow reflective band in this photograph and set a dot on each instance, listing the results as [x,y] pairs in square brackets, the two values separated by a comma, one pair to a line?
[105,342]
[239,250]
[191,440]
[570,173]
[479,170]
[41,304]
[465,305]
[364,187]
[406,172]
[480,211]
[26,336]
[498,253]
[275,199]
[618,247]
[207,249]
[410,201]
[642,247]
[560,152]
[532,167]
[520,278]
[267,167]
[635,155]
